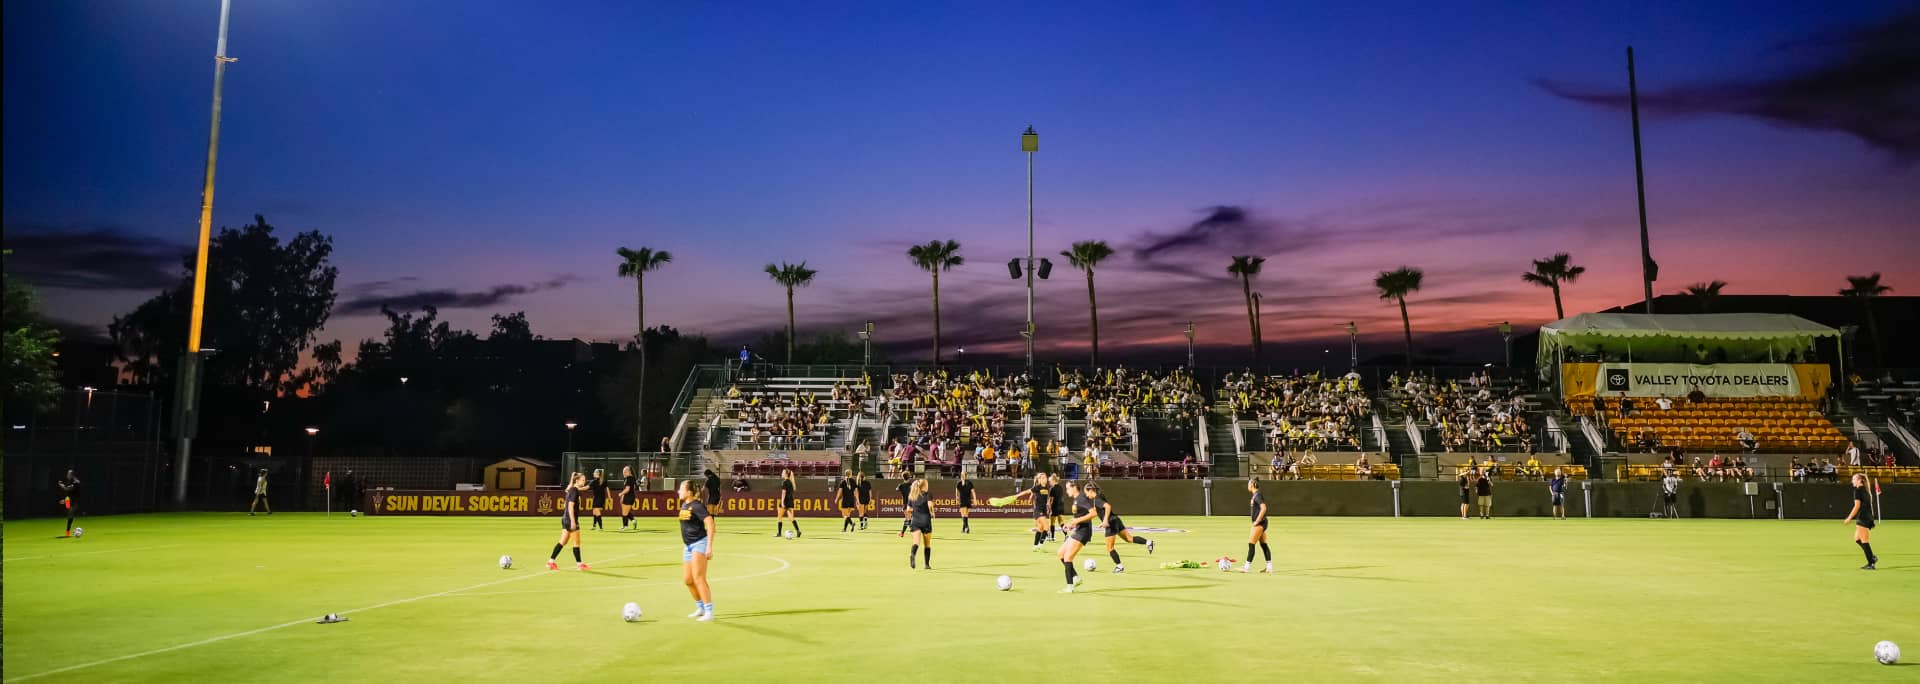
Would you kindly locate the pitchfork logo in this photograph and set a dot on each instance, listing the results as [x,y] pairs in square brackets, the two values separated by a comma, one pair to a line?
[1617,379]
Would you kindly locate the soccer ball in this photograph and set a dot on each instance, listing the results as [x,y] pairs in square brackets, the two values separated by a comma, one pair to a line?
[78,531]
[1006,584]
[1225,565]
[1886,652]
[355,513]
[789,534]
[1090,565]
[630,612]
[506,562]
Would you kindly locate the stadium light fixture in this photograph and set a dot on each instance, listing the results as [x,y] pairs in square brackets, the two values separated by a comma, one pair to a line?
[311,431]
[187,383]
[1353,346]
[570,426]
[1029,144]
[1506,337]
[1189,331]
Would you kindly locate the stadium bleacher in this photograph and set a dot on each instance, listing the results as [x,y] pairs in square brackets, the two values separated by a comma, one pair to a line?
[1778,424]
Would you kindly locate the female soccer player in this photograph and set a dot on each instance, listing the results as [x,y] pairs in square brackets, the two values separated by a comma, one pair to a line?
[1257,507]
[1058,495]
[70,498]
[1041,492]
[696,533]
[1114,527]
[865,491]
[1862,518]
[785,512]
[847,500]
[920,520]
[570,523]
[626,497]
[260,494]
[597,487]
[964,488]
[1079,533]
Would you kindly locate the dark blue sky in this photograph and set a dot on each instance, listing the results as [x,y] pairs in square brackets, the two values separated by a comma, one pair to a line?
[475,145]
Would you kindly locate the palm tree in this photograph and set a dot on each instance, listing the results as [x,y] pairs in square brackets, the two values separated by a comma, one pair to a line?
[1397,284]
[1084,256]
[791,276]
[934,257]
[1705,294]
[635,263]
[1552,271]
[1247,267]
[1867,287]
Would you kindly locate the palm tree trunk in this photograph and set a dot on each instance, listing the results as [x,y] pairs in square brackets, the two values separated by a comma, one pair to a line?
[789,325]
[1873,333]
[1093,309]
[640,340]
[936,318]
[1253,325]
[1558,313]
[1406,325]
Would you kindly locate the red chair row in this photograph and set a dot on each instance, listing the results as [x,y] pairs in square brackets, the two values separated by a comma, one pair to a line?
[772,468]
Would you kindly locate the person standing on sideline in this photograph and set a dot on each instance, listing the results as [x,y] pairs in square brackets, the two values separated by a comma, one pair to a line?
[350,491]
[1557,488]
[597,488]
[1483,486]
[1853,454]
[696,537]
[70,498]
[1466,490]
[1670,495]
[1862,518]
[964,490]
[713,493]
[260,494]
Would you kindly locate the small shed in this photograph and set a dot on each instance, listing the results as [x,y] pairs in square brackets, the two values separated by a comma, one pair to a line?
[517,474]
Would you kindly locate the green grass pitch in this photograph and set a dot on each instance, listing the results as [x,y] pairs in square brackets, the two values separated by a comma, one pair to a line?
[209,597]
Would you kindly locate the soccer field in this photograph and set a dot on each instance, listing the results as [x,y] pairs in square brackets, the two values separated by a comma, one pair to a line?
[222,597]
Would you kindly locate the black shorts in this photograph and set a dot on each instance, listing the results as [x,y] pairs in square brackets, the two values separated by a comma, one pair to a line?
[1039,513]
[1864,523]
[867,502]
[1465,498]
[1115,526]
[569,523]
[846,503]
[1082,534]
[1559,499]
[966,503]
[627,499]
[1261,523]
[599,497]
[921,526]
[1059,510]
[1669,496]
[786,503]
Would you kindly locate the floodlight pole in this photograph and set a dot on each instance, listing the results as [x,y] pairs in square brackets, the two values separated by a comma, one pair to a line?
[1029,143]
[187,381]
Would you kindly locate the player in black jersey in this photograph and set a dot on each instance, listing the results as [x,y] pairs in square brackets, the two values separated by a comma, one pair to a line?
[70,498]
[785,512]
[1042,493]
[570,523]
[964,489]
[1115,528]
[713,493]
[627,494]
[920,520]
[1257,508]
[906,492]
[1057,493]
[865,491]
[597,487]
[696,534]
[844,491]
[1079,532]
[1862,518]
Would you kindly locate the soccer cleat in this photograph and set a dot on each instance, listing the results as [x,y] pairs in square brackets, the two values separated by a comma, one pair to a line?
[706,616]
[1246,567]
[1067,589]
[1149,546]
[1077,579]
[913,561]
[552,565]
[697,612]
[1117,569]
[1269,569]
[582,567]
[1868,566]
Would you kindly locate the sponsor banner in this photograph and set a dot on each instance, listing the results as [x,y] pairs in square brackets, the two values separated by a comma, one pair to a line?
[551,502]
[1716,380]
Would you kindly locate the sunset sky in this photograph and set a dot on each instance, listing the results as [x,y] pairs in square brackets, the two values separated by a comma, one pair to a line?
[490,156]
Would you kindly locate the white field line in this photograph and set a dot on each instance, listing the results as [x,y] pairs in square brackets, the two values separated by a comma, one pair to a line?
[283,625]
[783,567]
[88,553]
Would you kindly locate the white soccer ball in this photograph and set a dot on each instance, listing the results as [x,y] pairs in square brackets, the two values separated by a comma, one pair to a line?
[789,534]
[1225,565]
[630,612]
[355,513]
[1887,652]
[79,531]
[506,562]
[1090,565]
[1006,583]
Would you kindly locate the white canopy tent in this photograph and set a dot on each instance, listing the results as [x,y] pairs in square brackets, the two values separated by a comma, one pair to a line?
[1670,333]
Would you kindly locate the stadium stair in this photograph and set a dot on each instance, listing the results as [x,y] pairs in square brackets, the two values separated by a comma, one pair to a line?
[1220,448]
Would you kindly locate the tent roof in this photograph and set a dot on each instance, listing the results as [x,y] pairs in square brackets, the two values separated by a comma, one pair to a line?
[1736,326]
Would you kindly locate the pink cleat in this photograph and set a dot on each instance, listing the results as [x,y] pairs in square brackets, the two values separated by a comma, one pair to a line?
[552,565]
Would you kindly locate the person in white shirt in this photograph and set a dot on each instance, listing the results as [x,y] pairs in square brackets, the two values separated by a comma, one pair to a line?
[1853,454]
[1669,492]
[1665,403]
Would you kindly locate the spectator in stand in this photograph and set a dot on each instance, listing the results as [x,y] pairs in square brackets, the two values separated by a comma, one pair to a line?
[1853,454]
[1746,440]
[1796,472]
[1715,468]
[1665,403]
[1828,471]
[1696,396]
[1276,466]
[1599,408]
[1626,405]
[1362,468]
[1647,441]
[740,483]
[1187,469]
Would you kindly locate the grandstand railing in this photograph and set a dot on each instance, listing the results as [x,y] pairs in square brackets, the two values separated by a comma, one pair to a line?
[703,376]
[1200,441]
[660,464]
[1900,432]
[1413,435]
[1380,434]
[1593,435]
[1865,436]
[1557,437]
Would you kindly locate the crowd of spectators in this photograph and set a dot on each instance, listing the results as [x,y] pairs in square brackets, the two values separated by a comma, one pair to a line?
[1470,417]
[1110,398]
[1300,412]
[968,409]
[777,420]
